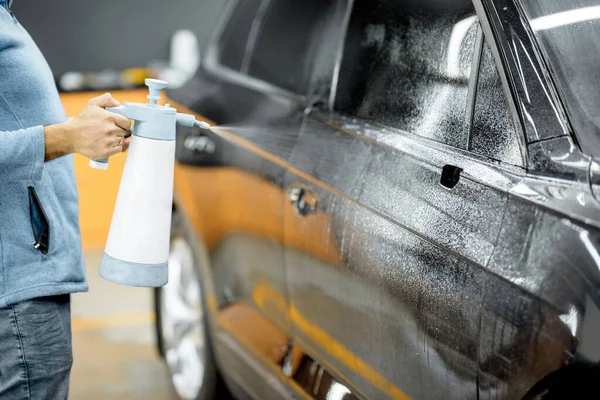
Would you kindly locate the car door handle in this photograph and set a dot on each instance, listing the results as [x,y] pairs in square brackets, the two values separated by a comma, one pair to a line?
[305,201]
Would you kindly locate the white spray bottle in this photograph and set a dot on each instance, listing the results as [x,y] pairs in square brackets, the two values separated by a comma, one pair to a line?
[137,247]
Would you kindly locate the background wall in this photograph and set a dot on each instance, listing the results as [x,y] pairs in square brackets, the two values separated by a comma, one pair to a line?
[87,35]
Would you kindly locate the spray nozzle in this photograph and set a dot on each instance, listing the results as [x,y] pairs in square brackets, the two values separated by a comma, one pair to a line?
[202,125]
[190,120]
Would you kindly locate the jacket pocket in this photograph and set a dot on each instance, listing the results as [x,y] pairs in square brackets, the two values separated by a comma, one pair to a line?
[39,222]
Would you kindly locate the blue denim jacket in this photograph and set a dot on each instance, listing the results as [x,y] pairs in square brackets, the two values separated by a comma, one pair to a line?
[40,242]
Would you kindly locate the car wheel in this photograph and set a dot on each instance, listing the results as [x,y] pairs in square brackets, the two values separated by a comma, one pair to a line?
[181,324]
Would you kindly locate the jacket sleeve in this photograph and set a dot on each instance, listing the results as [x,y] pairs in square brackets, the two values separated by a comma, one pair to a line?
[22,154]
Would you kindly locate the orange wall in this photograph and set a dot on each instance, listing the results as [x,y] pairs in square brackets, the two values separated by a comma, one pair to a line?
[97,189]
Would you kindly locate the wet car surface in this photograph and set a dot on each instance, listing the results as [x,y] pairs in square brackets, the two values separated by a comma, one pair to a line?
[395,203]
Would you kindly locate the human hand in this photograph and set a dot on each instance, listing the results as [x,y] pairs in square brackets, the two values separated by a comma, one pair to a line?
[95,133]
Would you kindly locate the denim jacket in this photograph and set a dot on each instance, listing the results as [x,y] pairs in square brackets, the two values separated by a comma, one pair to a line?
[40,242]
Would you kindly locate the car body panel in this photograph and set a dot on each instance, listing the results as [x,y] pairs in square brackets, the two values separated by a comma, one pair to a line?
[334,235]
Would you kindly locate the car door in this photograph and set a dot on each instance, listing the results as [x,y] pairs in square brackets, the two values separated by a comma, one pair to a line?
[254,85]
[396,198]
[230,186]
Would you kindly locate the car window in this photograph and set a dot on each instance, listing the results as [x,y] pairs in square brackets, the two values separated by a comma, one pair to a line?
[493,131]
[233,41]
[289,38]
[407,64]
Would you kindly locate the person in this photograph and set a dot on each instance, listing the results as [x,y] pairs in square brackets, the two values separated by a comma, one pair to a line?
[41,261]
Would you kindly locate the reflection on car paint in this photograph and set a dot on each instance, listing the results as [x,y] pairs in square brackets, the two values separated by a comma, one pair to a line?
[320,383]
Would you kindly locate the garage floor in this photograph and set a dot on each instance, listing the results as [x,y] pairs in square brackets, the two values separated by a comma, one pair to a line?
[113,342]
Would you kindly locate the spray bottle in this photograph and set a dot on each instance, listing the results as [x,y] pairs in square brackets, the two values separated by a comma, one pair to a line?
[137,247]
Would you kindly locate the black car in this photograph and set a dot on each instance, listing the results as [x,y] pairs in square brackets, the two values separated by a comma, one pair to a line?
[400,200]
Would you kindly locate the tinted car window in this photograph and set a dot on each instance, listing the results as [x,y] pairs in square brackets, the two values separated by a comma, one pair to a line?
[288,41]
[232,46]
[407,64]
[493,132]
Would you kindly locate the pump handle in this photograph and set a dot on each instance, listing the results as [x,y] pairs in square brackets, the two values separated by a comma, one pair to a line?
[102,163]
[154,87]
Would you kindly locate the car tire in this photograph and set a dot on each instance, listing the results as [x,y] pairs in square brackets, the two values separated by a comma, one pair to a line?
[182,333]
